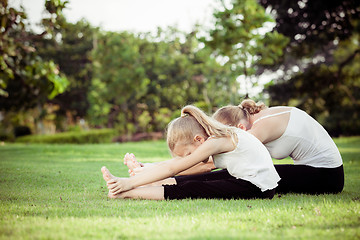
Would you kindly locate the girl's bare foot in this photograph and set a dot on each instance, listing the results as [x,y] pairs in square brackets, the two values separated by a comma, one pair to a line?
[111,195]
[119,195]
[107,175]
[130,161]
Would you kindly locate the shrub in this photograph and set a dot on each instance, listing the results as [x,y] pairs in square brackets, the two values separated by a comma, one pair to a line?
[91,136]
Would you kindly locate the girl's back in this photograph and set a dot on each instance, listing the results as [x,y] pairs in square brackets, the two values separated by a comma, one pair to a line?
[250,160]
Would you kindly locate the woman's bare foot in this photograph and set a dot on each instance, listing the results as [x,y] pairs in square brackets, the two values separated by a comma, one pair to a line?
[130,161]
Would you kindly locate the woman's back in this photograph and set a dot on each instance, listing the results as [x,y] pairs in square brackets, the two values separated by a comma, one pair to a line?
[305,141]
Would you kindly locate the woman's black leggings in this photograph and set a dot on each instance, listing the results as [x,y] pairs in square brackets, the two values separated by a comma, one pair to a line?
[217,184]
[310,180]
[220,184]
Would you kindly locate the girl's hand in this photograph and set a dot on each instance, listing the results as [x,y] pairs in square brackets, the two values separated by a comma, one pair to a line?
[118,185]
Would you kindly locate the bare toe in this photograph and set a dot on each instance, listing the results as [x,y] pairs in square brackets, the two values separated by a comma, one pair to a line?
[106,174]
[110,195]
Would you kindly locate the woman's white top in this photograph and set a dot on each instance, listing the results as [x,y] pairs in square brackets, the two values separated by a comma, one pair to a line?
[249,161]
[305,141]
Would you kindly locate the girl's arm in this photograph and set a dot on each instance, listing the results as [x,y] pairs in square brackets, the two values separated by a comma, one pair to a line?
[172,167]
[202,167]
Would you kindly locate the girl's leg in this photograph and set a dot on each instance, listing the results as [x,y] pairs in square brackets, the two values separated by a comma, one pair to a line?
[167,181]
[226,188]
[210,176]
[107,175]
[310,180]
[151,193]
[221,189]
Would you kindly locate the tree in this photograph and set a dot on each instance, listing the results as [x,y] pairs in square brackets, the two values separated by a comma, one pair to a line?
[320,69]
[70,48]
[239,37]
[140,80]
[26,79]
[118,79]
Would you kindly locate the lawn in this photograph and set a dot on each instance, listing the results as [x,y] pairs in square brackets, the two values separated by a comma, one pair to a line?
[57,192]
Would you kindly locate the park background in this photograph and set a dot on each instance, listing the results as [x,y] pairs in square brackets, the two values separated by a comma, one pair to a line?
[61,76]
[66,84]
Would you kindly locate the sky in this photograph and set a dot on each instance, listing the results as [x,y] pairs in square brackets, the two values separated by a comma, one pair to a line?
[129,15]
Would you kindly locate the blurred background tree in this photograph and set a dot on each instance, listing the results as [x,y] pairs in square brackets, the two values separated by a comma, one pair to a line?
[26,80]
[320,72]
[70,48]
[139,80]
[72,75]
[241,37]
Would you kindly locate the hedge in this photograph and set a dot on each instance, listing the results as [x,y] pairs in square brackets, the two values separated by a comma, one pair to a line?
[91,136]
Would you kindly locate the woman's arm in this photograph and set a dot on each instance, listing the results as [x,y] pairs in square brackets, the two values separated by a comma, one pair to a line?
[270,129]
[172,167]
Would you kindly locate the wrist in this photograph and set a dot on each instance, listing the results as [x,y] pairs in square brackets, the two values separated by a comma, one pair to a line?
[128,184]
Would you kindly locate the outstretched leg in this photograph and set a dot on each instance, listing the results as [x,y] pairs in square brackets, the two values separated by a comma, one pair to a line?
[150,193]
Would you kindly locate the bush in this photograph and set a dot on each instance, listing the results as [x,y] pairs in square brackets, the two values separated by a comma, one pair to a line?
[5,136]
[91,136]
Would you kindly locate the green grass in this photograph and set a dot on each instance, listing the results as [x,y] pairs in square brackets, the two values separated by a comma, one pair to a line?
[57,192]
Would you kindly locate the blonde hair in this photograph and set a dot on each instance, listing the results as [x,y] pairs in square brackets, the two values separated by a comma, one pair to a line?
[194,122]
[232,115]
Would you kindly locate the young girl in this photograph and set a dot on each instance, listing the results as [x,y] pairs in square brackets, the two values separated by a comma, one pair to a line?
[288,131]
[193,138]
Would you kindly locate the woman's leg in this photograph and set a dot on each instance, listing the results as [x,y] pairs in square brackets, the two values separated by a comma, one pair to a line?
[310,180]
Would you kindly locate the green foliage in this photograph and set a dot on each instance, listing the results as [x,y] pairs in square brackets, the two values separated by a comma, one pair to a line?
[70,49]
[311,25]
[136,75]
[57,192]
[78,137]
[26,79]
[239,36]
[321,68]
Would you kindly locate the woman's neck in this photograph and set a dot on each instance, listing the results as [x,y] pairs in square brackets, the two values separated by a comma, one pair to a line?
[255,117]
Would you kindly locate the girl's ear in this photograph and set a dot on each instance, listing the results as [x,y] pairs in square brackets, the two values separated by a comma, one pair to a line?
[199,138]
[241,126]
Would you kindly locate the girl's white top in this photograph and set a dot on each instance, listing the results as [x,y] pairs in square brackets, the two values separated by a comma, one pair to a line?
[306,142]
[249,161]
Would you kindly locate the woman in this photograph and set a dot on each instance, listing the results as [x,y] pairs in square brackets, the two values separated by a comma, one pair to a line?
[290,132]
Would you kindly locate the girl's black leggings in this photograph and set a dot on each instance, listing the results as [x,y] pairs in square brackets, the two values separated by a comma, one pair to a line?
[217,184]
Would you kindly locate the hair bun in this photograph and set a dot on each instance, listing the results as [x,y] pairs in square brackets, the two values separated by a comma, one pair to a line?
[251,106]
